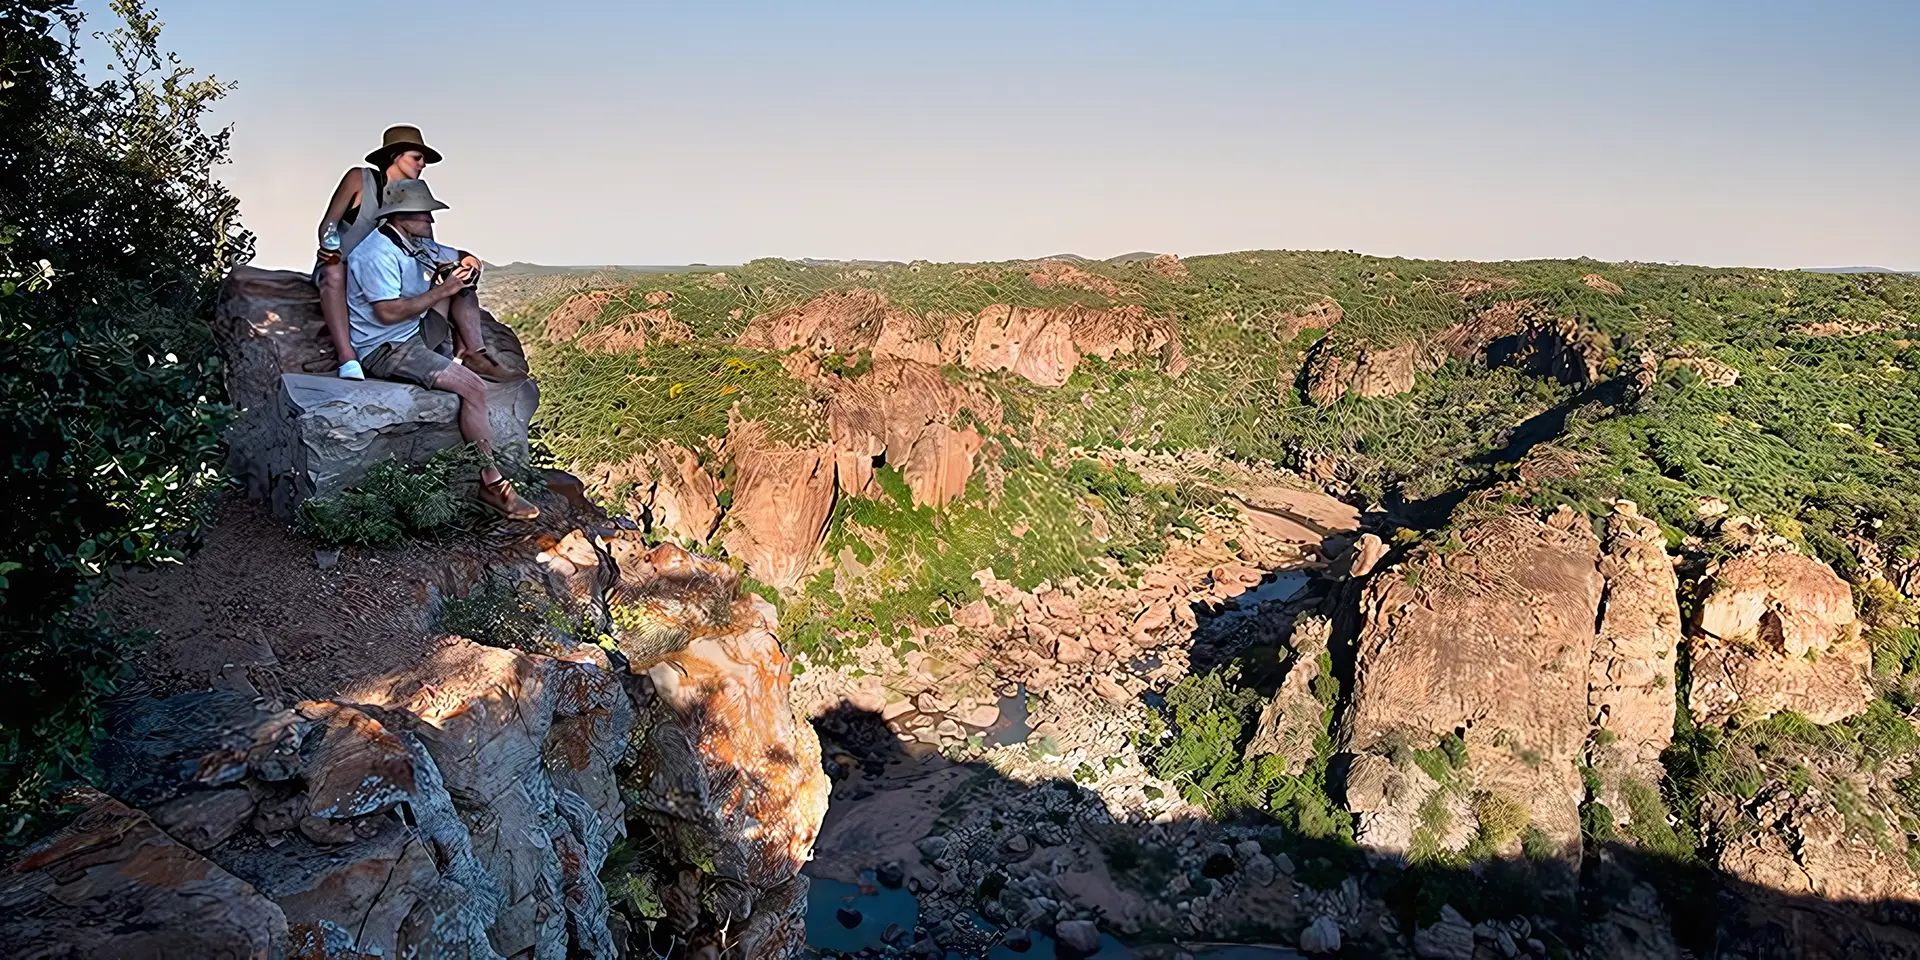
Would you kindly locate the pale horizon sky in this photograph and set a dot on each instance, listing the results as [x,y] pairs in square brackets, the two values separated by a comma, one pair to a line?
[589,131]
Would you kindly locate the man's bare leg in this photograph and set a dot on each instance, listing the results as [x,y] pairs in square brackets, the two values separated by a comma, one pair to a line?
[471,346]
[495,491]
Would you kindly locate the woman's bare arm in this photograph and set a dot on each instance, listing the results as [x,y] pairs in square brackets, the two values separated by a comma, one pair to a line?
[343,197]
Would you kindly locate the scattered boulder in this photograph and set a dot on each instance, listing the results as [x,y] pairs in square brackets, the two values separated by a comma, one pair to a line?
[1777,631]
[1321,936]
[1805,847]
[1080,936]
[1449,939]
[1601,284]
[565,321]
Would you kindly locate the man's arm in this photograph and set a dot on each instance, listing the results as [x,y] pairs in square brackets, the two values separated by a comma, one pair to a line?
[390,312]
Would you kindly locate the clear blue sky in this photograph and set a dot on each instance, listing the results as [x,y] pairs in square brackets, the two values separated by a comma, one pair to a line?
[593,131]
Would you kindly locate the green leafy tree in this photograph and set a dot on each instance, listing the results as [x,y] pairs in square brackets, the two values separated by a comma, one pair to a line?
[113,236]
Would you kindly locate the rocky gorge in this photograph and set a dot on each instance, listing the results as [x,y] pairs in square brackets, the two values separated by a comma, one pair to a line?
[953,611]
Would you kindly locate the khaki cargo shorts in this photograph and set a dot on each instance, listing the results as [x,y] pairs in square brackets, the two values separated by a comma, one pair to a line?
[417,359]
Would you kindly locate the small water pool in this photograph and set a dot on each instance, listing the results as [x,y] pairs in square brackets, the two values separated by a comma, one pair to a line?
[878,910]
[1285,585]
[826,930]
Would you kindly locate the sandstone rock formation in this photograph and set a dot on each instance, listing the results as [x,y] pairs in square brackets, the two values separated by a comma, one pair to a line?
[1490,643]
[1514,333]
[667,487]
[301,431]
[906,414]
[1063,273]
[1776,631]
[1290,722]
[728,781]
[1040,345]
[565,321]
[1631,679]
[782,498]
[462,805]
[463,810]
[111,884]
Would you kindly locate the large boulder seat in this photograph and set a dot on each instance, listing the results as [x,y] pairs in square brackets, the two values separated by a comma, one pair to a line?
[302,431]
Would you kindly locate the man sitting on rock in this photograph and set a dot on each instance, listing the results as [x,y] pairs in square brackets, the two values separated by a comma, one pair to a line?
[402,288]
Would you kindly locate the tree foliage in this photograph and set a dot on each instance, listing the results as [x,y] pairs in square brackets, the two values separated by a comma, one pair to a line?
[115,235]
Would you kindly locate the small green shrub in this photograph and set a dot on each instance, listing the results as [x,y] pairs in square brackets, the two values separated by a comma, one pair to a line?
[1501,819]
[395,501]
[502,612]
[1649,827]
[1596,823]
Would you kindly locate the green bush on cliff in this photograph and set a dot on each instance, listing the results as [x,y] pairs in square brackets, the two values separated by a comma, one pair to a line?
[1198,741]
[395,501]
[110,409]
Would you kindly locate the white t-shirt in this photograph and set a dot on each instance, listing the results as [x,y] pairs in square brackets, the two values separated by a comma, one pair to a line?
[378,270]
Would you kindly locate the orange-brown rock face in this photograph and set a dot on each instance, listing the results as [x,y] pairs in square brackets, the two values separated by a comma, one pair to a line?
[782,498]
[1063,273]
[906,412]
[1631,675]
[668,486]
[1777,632]
[840,321]
[1040,345]
[113,885]
[1385,373]
[1035,344]
[729,777]
[1491,641]
[564,323]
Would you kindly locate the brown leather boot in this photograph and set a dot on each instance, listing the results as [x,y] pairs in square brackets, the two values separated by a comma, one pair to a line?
[483,363]
[500,497]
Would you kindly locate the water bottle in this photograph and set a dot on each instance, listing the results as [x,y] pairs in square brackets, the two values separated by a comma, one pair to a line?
[330,244]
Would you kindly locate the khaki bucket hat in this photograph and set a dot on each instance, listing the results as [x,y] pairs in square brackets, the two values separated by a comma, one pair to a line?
[407,196]
[402,137]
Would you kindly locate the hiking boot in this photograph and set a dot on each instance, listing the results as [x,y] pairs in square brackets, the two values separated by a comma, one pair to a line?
[483,363]
[500,497]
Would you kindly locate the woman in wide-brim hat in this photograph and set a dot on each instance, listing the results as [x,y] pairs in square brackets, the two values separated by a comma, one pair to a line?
[403,155]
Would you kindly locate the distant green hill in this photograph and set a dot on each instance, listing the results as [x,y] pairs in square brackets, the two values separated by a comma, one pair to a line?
[1624,397]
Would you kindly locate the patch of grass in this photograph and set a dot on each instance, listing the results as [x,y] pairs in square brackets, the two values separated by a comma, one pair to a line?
[1443,759]
[1649,827]
[502,612]
[1501,818]
[599,408]
[1430,836]
[919,562]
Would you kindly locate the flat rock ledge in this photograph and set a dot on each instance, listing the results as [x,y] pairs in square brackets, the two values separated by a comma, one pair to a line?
[303,432]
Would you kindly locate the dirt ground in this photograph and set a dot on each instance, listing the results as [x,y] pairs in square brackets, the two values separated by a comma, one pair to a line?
[253,609]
